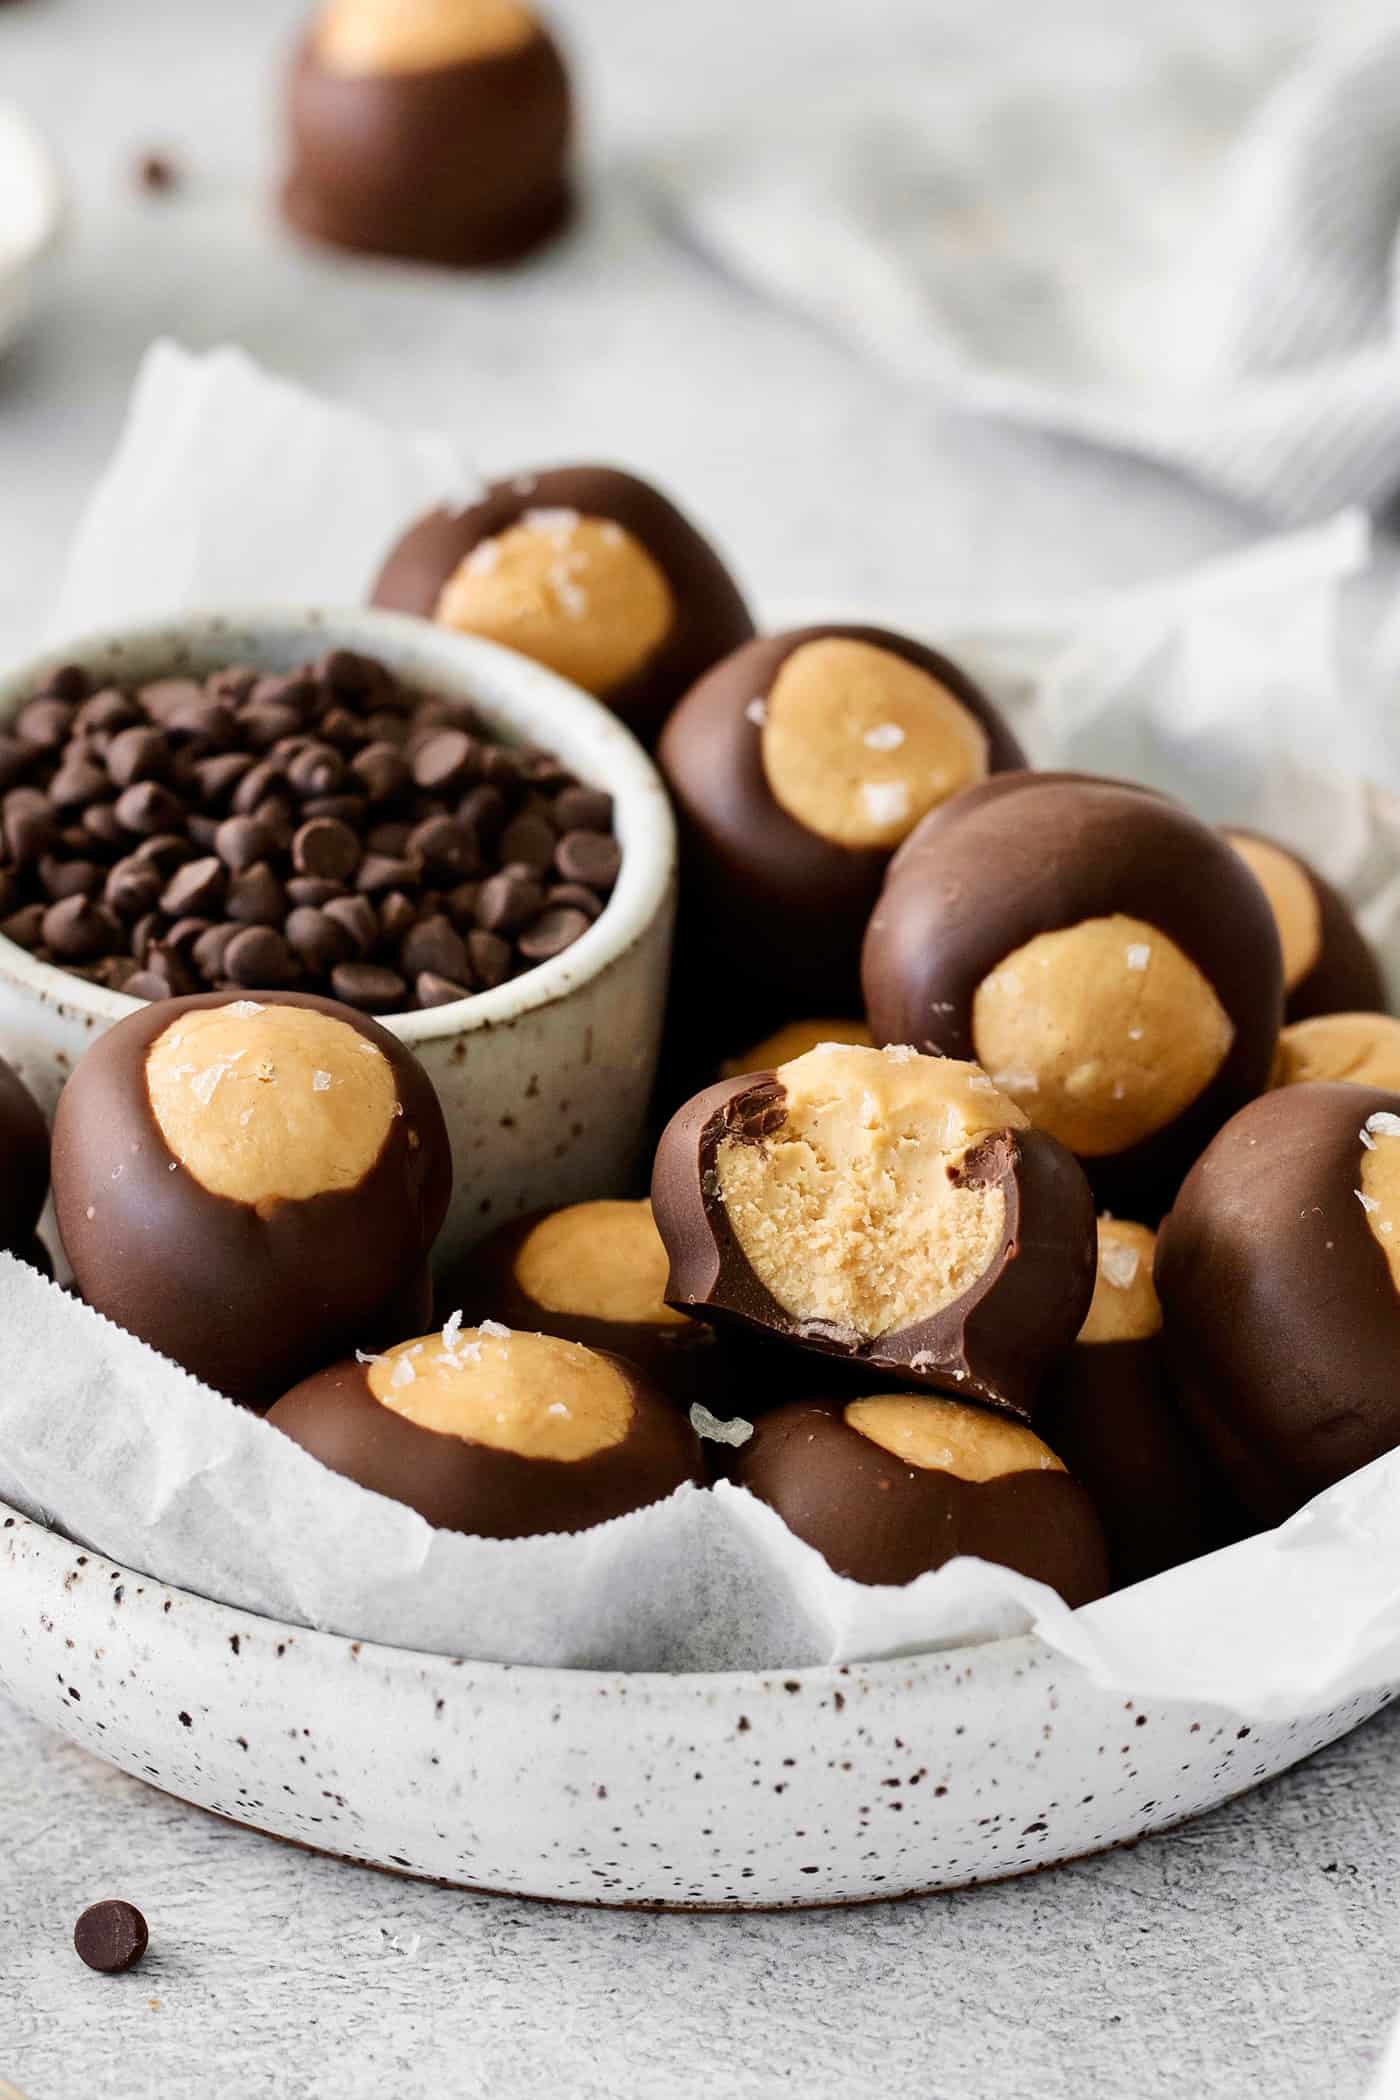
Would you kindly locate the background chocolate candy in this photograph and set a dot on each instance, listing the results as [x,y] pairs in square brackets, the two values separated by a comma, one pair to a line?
[1328,964]
[795,1039]
[1110,961]
[593,1273]
[889,1209]
[586,569]
[436,130]
[499,1434]
[1108,1409]
[252,1186]
[24,1165]
[888,1487]
[1279,1274]
[798,765]
[1362,1047]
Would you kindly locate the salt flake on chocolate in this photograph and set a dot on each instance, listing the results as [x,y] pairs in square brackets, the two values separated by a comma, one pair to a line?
[1384,1123]
[1368,1203]
[734,1432]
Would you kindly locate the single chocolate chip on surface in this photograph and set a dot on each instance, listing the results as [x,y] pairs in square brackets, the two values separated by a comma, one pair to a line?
[589,857]
[111,1936]
[556,929]
[327,848]
[364,985]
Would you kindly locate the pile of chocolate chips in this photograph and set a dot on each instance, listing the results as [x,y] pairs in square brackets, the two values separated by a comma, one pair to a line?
[328,831]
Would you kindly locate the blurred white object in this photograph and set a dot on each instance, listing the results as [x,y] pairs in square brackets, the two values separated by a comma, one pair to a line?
[31,216]
[1182,249]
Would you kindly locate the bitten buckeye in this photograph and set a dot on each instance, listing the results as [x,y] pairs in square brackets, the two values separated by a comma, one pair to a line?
[889,1487]
[889,1209]
[590,571]
[434,130]
[499,1434]
[250,1185]
[1108,959]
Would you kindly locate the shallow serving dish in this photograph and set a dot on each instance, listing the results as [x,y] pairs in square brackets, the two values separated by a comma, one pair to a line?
[544,1081]
[834,1785]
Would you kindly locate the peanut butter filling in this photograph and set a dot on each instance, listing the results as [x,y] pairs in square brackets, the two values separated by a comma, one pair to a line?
[1125,1306]
[947,1436]
[372,37]
[1292,900]
[598,1261]
[529,1394]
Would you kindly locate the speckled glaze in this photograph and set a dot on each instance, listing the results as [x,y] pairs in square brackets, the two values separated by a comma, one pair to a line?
[731,1791]
[544,1081]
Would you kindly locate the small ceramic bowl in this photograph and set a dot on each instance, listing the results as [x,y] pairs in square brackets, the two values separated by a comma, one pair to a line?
[31,216]
[544,1081]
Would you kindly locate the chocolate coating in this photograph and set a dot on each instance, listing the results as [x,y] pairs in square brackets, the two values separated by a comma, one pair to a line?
[459,1485]
[763,896]
[1345,977]
[247,1298]
[1032,853]
[680,1359]
[879,1520]
[465,164]
[1282,1319]
[989,1344]
[24,1148]
[709,618]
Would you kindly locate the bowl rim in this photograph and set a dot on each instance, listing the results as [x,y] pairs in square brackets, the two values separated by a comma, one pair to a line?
[49,186]
[513,693]
[1012,1652]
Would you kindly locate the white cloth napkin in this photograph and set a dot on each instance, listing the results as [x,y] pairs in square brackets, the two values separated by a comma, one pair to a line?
[1178,247]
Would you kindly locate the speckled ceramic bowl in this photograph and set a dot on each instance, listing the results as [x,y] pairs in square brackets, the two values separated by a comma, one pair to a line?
[816,1786]
[31,217]
[544,1081]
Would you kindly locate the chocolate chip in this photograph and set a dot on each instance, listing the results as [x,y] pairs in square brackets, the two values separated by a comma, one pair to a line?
[327,848]
[25,927]
[434,945]
[67,682]
[76,783]
[438,991]
[209,950]
[445,759]
[198,887]
[259,958]
[101,823]
[583,809]
[111,1937]
[356,915]
[531,839]
[397,914]
[381,770]
[589,857]
[108,710]
[216,778]
[165,851]
[556,929]
[256,897]
[202,721]
[241,842]
[164,695]
[44,725]
[257,784]
[15,761]
[380,871]
[77,930]
[573,893]
[374,990]
[147,985]
[133,887]
[490,959]
[318,941]
[27,823]
[445,848]
[147,809]
[508,901]
[316,770]
[69,878]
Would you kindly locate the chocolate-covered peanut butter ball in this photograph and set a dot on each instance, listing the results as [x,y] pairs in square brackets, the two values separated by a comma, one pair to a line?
[1328,964]
[593,1273]
[795,1039]
[798,765]
[1363,1048]
[250,1185]
[24,1166]
[889,1209]
[1110,961]
[1107,1407]
[433,130]
[586,569]
[888,1487]
[1279,1274]
[499,1434]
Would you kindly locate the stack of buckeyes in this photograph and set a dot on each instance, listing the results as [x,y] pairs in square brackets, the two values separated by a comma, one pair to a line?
[1054,1216]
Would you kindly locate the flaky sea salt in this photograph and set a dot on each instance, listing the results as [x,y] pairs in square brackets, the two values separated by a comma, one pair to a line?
[403,1372]
[367,1356]
[900,1053]
[1017,1082]
[557,1407]
[757,713]
[1383,1124]
[560,524]
[1119,1266]
[886,801]
[885,736]
[709,1426]
[1139,955]
[494,1329]
[1368,1203]
[452,1327]
[484,559]
[245,1008]
[320,1082]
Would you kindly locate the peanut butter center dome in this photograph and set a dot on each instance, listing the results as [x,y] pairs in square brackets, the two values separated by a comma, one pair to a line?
[1292,900]
[373,37]
[1363,1049]
[947,1436]
[600,1261]
[1125,1305]
[855,1211]
[578,594]
[859,744]
[529,1394]
[270,1104]
[1378,1191]
[1104,1032]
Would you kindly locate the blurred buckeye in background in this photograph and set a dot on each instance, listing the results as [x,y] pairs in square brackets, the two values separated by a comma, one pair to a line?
[593,1273]
[499,1434]
[888,1209]
[433,130]
[1279,1275]
[1108,959]
[1328,964]
[888,1487]
[798,765]
[1362,1048]
[251,1185]
[587,570]
[1107,1408]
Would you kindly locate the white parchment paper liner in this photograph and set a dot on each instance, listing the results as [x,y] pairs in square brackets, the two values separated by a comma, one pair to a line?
[1222,687]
